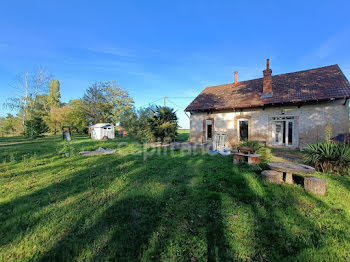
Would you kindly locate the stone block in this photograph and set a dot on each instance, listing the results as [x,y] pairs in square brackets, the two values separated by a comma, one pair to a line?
[272,176]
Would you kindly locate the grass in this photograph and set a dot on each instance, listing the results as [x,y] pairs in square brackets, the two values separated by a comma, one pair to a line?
[159,205]
[183,135]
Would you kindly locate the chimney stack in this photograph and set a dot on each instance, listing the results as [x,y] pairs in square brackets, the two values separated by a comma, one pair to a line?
[236,76]
[267,81]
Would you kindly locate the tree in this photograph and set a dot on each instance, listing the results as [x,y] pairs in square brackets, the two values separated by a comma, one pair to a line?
[118,98]
[137,123]
[54,93]
[40,79]
[2,121]
[105,102]
[77,115]
[11,124]
[27,91]
[96,106]
[21,98]
[59,116]
[35,127]
[164,123]
[150,123]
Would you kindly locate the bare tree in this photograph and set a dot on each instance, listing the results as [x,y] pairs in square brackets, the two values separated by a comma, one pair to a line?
[26,88]
[39,85]
[20,98]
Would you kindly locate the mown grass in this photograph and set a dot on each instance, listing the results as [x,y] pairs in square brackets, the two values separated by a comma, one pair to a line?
[183,135]
[159,205]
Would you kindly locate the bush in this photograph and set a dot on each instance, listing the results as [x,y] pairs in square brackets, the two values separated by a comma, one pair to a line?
[329,157]
[253,144]
[265,154]
[67,150]
[36,127]
[260,149]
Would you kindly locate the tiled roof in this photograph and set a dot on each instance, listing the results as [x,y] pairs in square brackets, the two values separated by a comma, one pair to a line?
[310,85]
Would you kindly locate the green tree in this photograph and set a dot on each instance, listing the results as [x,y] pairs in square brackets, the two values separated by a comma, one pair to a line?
[137,123]
[54,93]
[106,102]
[35,127]
[2,121]
[151,123]
[96,106]
[118,98]
[164,123]
[11,124]
[77,115]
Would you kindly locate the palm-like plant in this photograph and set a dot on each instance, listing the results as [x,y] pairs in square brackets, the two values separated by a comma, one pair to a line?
[164,123]
[329,157]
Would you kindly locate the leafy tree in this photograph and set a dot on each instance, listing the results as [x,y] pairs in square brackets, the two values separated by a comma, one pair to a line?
[54,93]
[9,124]
[106,102]
[137,123]
[150,123]
[118,98]
[96,106]
[164,123]
[77,116]
[59,116]
[2,121]
[35,127]
[129,121]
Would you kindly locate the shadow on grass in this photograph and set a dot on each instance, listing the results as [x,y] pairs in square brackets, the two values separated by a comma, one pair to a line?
[171,207]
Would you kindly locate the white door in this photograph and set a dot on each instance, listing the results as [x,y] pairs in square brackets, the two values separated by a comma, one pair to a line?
[277,133]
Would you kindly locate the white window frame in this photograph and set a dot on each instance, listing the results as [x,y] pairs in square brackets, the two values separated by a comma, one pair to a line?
[285,119]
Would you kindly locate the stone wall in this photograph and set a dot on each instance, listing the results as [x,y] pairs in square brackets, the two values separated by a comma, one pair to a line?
[310,122]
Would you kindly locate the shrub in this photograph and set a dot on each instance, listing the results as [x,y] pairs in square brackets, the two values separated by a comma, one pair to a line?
[36,127]
[68,150]
[263,151]
[253,144]
[265,154]
[329,157]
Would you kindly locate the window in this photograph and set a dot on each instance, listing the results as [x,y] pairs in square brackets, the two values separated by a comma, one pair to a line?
[243,129]
[283,131]
[209,129]
[290,133]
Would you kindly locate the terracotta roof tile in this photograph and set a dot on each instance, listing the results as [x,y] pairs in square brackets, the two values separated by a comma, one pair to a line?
[309,85]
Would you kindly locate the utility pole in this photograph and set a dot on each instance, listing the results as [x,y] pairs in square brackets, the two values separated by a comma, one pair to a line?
[164,101]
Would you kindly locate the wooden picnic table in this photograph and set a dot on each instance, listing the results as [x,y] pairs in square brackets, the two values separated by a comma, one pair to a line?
[289,169]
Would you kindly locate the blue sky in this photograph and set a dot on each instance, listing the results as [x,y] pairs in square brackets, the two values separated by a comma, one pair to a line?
[168,48]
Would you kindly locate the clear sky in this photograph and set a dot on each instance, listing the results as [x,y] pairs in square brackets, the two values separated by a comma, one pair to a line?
[168,48]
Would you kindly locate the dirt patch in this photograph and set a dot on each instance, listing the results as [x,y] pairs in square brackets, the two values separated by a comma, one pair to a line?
[290,156]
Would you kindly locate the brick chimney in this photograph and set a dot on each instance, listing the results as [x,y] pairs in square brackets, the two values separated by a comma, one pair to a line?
[236,77]
[267,82]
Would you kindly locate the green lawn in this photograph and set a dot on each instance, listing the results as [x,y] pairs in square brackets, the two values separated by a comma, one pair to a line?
[159,206]
[183,135]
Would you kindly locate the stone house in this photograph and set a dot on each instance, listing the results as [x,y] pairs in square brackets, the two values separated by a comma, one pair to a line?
[288,110]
